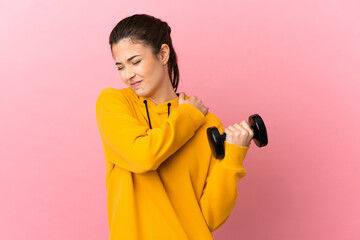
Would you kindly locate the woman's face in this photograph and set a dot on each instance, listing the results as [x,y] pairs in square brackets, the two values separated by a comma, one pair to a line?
[139,69]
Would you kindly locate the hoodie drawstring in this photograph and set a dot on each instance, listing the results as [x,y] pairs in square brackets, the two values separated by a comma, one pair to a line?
[169,104]
[147,111]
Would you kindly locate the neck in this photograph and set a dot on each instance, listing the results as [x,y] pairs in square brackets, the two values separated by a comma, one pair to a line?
[170,95]
[164,93]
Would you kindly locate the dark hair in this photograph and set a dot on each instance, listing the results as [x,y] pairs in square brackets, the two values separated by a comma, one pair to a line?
[151,32]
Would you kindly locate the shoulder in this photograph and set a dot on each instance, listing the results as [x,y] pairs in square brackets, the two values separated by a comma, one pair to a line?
[124,94]
[111,97]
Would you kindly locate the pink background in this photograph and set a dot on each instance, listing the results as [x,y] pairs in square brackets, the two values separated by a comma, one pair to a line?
[296,63]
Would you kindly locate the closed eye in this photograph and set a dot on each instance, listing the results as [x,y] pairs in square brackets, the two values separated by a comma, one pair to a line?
[134,64]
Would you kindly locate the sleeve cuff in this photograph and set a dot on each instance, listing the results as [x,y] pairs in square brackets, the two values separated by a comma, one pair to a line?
[234,156]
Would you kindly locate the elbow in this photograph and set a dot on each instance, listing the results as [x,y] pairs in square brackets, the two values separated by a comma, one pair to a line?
[212,225]
[134,158]
[144,168]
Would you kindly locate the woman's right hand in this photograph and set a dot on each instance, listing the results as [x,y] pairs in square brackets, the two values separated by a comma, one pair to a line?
[193,101]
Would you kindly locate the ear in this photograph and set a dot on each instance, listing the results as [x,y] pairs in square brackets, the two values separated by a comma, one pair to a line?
[164,53]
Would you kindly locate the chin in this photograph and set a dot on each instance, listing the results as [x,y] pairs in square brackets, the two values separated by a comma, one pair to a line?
[140,92]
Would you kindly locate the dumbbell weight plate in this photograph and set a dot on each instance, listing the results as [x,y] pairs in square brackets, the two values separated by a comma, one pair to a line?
[216,142]
[258,127]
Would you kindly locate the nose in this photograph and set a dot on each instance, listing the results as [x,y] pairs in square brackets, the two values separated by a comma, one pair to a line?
[129,73]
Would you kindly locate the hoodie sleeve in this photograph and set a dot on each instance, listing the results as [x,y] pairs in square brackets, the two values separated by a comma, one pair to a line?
[135,147]
[220,192]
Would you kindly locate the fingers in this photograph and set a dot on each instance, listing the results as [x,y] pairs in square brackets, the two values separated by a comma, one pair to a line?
[246,126]
[239,134]
[232,128]
[182,95]
[237,130]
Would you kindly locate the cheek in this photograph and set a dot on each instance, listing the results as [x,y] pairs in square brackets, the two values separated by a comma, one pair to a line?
[157,72]
[122,77]
[148,71]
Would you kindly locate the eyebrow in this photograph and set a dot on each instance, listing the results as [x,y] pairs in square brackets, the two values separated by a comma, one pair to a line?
[117,63]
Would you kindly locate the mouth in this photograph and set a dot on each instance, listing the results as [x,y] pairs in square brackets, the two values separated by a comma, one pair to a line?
[135,84]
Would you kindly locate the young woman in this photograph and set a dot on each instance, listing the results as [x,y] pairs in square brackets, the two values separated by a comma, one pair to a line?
[161,178]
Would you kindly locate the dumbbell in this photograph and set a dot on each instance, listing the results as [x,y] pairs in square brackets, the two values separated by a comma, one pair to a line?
[216,140]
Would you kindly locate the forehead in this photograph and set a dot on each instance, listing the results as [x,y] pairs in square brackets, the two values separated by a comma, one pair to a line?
[125,49]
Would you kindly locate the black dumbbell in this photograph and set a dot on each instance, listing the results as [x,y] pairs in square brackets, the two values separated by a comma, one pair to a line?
[216,140]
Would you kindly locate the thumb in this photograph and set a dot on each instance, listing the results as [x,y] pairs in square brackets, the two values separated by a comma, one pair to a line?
[182,96]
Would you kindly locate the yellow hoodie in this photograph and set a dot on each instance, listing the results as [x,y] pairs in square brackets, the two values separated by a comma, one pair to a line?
[163,182]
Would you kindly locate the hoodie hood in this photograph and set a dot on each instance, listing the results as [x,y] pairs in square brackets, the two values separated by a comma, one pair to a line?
[165,107]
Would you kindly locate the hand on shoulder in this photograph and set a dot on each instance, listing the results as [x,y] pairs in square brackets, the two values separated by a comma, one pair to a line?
[193,100]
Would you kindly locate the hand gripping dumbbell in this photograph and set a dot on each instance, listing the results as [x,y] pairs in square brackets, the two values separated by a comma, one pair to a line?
[216,140]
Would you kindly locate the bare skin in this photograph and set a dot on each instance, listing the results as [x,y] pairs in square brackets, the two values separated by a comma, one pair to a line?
[239,134]
[196,102]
